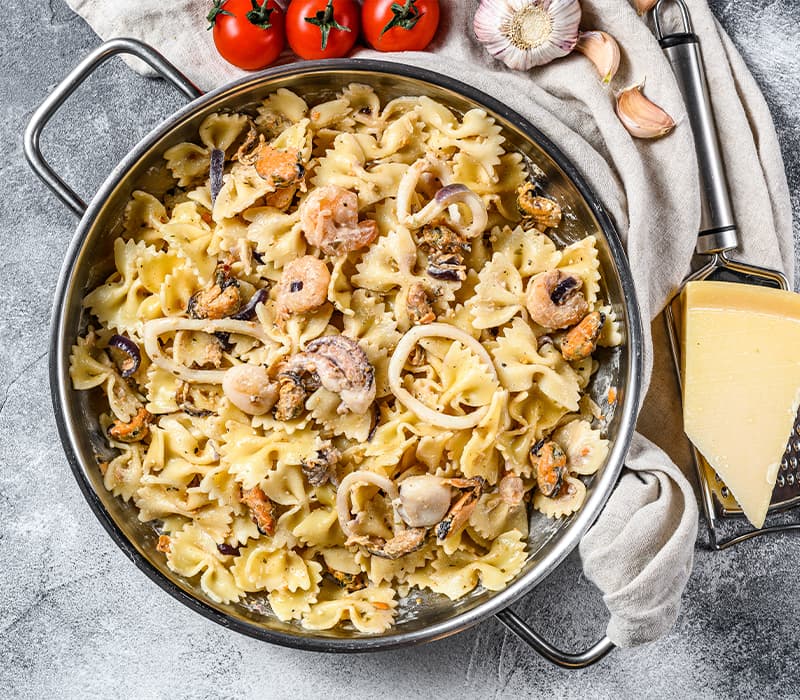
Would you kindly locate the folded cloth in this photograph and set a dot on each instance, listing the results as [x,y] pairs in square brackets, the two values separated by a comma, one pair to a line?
[639,552]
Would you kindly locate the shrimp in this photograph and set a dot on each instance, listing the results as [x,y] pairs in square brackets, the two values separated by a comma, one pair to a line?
[554,300]
[340,365]
[303,286]
[550,463]
[249,388]
[329,217]
[581,341]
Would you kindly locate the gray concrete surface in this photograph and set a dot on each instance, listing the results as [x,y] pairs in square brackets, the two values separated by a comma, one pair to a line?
[78,620]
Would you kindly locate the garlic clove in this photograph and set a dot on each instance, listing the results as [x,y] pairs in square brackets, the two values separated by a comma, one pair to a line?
[641,117]
[602,50]
[644,6]
[527,33]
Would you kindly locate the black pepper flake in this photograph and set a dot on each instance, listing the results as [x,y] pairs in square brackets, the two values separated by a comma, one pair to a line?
[296,286]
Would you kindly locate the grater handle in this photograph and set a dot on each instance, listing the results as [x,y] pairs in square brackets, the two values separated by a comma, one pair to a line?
[682,49]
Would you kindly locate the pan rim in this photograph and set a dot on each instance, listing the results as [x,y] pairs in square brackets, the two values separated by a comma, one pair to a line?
[499,600]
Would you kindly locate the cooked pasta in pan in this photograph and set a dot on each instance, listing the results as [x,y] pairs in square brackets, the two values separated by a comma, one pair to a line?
[343,358]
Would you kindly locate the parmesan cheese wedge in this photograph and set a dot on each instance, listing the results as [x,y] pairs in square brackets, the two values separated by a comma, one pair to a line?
[741,383]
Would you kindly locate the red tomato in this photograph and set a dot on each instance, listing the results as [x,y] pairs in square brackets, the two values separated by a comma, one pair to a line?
[400,25]
[322,28]
[249,34]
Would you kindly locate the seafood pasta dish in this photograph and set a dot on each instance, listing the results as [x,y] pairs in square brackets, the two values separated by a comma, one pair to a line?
[345,358]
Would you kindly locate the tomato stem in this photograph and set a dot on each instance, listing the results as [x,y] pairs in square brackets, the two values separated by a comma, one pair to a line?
[404,16]
[259,15]
[216,10]
[325,21]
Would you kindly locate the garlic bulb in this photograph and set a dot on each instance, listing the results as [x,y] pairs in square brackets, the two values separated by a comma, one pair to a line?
[641,117]
[527,33]
[602,50]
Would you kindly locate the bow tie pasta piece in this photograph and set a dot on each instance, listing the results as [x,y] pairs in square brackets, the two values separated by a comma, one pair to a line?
[569,499]
[320,528]
[189,163]
[334,112]
[189,235]
[586,450]
[242,188]
[497,186]
[221,131]
[323,405]
[277,235]
[520,366]
[382,570]
[534,416]
[498,295]
[347,165]
[458,574]
[477,134]
[261,568]
[251,456]
[581,259]
[194,552]
[611,333]
[388,264]
[292,605]
[123,474]
[143,218]
[121,302]
[480,456]
[280,110]
[89,366]
[530,251]
[493,516]
[370,610]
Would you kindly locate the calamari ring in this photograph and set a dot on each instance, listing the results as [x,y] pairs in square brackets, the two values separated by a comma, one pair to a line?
[401,354]
[156,328]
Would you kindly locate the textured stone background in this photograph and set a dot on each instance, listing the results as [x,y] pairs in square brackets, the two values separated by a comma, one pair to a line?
[77,619]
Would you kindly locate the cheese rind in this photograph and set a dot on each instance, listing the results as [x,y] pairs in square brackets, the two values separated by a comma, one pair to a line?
[741,383]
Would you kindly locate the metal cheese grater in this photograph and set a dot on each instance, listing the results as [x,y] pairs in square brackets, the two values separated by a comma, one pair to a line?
[716,238]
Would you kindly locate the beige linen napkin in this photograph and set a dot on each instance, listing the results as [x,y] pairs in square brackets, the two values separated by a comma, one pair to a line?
[639,552]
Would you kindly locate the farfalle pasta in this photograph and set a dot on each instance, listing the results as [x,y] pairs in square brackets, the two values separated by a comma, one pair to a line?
[343,360]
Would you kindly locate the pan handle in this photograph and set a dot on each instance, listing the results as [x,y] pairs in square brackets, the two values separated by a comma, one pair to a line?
[67,86]
[564,659]
[682,49]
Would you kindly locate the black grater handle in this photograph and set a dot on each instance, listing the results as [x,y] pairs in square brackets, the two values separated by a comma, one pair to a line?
[682,49]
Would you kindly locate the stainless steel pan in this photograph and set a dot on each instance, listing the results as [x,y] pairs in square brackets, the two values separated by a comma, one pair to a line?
[88,261]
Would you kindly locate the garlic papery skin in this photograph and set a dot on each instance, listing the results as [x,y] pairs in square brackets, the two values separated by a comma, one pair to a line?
[527,33]
[644,6]
[601,49]
[641,117]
